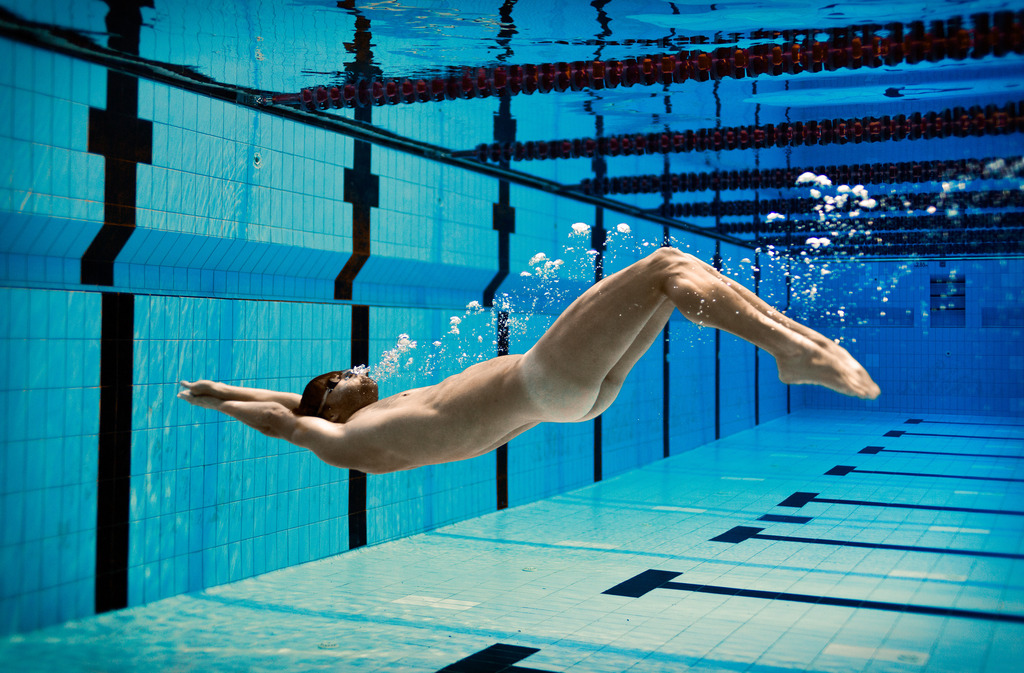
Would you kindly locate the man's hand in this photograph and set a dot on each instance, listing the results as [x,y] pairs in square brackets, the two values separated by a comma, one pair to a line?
[209,388]
[201,394]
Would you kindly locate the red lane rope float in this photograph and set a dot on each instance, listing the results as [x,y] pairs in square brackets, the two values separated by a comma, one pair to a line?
[955,122]
[782,178]
[852,47]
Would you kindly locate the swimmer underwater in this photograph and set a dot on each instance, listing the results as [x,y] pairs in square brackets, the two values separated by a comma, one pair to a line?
[572,374]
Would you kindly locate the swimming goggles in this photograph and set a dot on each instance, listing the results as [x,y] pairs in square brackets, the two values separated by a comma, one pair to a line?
[332,383]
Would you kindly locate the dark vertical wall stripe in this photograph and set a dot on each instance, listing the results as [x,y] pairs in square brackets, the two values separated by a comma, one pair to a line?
[666,374]
[718,266]
[113,490]
[718,366]
[356,509]
[360,354]
[125,141]
[789,293]
[598,237]
[789,241]
[666,390]
[360,349]
[757,351]
[362,187]
[501,468]
[503,215]
[597,243]
[757,261]
[503,221]
[501,477]
[666,369]
[362,190]
[508,30]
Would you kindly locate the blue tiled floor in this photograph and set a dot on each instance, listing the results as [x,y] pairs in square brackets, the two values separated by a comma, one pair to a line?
[533,579]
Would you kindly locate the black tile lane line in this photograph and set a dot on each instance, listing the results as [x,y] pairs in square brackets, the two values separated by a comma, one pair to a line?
[649,580]
[498,658]
[743,533]
[843,470]
[873,450]
[799,499]
[901,433]
[782,518]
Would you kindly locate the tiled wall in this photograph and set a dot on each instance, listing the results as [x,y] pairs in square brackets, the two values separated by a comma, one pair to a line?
[51,343]
[924,368]
[241,229]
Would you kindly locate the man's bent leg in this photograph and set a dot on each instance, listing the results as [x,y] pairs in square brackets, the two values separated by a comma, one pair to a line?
[602,334]
[763,306]
[802,355]
[617,375]
[578,365]
[605,331]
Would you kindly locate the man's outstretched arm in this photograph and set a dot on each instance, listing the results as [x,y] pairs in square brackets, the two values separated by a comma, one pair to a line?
[329,441]
[225,391]
[270,418]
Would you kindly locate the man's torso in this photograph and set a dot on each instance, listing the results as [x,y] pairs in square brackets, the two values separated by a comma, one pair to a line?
[461,417]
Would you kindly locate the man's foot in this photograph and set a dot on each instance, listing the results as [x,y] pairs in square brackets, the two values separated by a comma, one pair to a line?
[825,363]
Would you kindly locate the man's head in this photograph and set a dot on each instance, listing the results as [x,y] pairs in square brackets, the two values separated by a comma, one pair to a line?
[335,396]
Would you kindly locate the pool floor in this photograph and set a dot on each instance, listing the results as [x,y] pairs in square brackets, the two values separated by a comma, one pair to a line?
[825,541]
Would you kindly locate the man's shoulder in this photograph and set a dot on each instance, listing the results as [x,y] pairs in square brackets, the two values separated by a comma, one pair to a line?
[346,445]
[313,428]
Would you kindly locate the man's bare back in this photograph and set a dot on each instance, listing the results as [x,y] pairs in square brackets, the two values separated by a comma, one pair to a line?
[466,415]
[571,374]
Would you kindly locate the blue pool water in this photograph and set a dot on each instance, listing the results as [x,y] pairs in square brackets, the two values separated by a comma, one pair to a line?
[171,208]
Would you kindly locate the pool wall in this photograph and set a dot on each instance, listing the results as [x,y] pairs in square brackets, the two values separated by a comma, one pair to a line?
[947,340]
[114,493]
